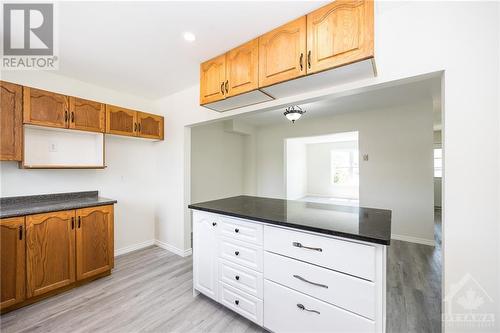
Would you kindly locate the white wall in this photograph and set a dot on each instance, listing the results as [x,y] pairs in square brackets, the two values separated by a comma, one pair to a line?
[130,176]
[398,175]
[438,184]
[412,38]
[217,163]
[319,171]
[295,169]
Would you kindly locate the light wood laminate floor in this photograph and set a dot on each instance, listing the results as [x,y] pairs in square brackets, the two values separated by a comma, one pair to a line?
[150,290]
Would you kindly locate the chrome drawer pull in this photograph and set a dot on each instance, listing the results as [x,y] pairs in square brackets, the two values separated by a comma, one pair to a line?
[297,244]
[314,283]
[302,307]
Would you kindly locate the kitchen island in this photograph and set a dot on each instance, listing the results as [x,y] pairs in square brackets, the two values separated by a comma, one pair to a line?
[293,265]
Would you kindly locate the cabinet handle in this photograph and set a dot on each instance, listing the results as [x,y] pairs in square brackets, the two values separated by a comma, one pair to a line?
[297,244]
[214,223]
[79,222]
[72,223]
[302,307]
[227,86]
[138,127]
[222,88]
[66,116]
[72,116]
[135,127]
[20,232]
[309,59]
[237,253]
[236,302]
[313,283]
[236,230]
[301,61]
[237,277]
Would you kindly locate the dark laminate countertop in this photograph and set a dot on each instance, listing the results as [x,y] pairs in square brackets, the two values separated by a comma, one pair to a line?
[366,224]
[34,204]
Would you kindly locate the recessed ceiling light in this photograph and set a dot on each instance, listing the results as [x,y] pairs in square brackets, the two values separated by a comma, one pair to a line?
[189,37]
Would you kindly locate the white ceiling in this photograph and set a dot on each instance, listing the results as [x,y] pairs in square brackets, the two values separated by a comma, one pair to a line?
[408,93]
[138,47]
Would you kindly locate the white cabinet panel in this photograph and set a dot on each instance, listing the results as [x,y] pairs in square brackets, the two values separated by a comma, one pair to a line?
[242,230]
[242,278]
[246,305]
[286,310]
[242,253]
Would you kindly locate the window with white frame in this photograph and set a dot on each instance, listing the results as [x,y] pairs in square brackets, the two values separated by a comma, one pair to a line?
[345,167]
[438,162]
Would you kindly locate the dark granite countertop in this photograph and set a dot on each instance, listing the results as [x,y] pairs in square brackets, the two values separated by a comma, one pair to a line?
[34,204]
[365,224]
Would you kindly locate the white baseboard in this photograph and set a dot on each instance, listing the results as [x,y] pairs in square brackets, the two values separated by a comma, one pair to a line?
[134,247]
[411,239]
[173,249]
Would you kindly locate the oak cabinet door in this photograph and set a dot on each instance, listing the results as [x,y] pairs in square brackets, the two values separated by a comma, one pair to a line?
[12,256]
[50,251]
[282,53]
[212,80]
[339,34]
[94,241]
[242,69]
[45,108]
[205,254]
[150,125]
[121,121]
[11,121]
[86,115]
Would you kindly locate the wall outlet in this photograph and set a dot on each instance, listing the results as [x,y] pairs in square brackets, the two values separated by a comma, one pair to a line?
[365,157]
[52,147]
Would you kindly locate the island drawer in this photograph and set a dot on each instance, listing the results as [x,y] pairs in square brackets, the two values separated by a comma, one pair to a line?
[348,292]
[242,230]
[344,256]
[242,253]
[287,310]
[246,305]
[242,278]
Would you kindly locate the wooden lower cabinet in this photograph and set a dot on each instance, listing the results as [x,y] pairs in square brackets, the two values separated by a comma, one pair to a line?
[12,257]
[47,253]
[94,241]
[50,251]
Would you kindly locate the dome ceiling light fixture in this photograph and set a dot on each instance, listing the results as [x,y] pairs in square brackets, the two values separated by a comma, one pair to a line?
[293,113]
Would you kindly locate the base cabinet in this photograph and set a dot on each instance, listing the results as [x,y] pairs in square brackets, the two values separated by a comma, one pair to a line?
[258,271]
[43,254]
[12,257]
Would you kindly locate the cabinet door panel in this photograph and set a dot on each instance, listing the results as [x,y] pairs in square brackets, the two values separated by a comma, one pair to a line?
[212,79]
[339,34]
[50,251]
[45,108]
[11,121]
[121,121]
[205,254]
[12,256]
[150,125]
[282,53]
[94,241]
[242,68]
[86,115]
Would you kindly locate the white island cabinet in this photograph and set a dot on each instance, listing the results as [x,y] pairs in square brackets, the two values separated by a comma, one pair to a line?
[289,280]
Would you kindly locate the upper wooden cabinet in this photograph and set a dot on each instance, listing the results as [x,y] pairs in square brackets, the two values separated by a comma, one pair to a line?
[94,241]
[242,69]
[282,53]
[212,80]
[45,108]
[339,34]
[12,257]
[50,251]
[121,121]
[86,115]
[11,121]
[149,125]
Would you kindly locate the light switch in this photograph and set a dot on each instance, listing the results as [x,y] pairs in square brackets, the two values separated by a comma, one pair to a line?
[365,157]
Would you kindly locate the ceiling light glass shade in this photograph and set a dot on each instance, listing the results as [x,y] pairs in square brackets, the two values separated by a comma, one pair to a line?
[293,113]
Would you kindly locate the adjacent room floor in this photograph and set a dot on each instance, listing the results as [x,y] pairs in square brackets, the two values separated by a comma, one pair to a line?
[151,290]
